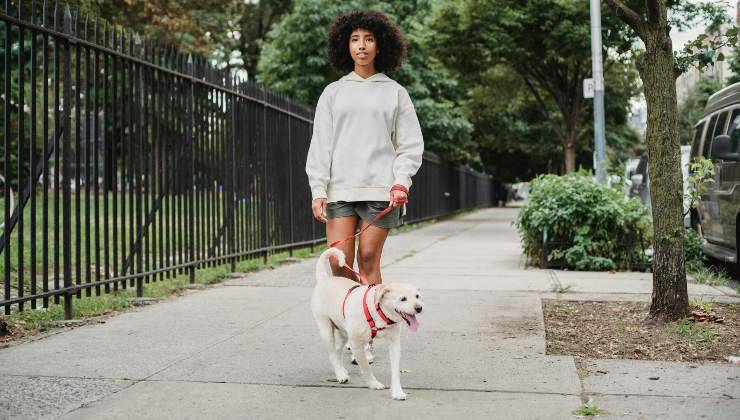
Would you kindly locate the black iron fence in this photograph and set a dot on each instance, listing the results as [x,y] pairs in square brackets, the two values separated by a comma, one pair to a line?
[125,162]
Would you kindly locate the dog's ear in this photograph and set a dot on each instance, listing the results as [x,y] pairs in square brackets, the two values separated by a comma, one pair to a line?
[382,290]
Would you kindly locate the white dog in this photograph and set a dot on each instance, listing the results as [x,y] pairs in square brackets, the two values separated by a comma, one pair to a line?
[349,313]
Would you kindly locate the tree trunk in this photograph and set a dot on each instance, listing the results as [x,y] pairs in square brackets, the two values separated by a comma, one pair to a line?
[656,68]
[569,143]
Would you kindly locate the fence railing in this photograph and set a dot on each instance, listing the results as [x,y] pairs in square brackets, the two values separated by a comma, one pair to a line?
[127,162]
[628,254]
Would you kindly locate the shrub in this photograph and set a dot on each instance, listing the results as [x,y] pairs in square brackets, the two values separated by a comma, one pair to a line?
[594,222]
[694,255]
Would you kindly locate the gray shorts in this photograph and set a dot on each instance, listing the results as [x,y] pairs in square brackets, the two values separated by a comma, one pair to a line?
[367,210]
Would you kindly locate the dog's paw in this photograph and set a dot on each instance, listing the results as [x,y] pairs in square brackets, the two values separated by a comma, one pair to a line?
[343,376]
[398,394]
[376,385]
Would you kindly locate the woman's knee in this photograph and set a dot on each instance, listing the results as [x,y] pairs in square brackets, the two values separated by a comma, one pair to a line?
[369,259]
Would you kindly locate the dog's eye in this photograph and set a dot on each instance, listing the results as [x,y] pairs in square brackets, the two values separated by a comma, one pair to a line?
[417,296]
[403,299]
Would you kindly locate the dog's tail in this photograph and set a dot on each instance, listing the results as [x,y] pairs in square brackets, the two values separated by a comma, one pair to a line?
[323,268]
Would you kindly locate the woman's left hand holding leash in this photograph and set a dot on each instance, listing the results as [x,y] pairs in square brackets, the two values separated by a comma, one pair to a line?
[399,195]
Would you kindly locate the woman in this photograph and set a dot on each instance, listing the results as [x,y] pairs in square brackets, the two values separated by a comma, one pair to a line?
[366,143]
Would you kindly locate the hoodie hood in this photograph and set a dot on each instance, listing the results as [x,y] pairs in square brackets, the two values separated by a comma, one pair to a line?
[377,77]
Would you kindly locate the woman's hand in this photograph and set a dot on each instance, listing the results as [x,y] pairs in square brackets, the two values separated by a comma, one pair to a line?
[399,195]
[318,206]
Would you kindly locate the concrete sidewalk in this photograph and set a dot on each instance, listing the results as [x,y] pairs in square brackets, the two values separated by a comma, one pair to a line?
[249,349]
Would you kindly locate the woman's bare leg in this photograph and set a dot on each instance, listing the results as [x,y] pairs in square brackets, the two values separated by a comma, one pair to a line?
[369,252]
[336,230]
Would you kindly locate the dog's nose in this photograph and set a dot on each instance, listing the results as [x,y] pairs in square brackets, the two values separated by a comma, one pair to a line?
[418,308]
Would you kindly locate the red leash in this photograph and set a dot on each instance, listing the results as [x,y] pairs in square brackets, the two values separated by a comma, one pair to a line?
[387,210]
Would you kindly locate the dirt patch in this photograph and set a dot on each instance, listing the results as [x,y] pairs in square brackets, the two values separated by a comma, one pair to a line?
[617,330]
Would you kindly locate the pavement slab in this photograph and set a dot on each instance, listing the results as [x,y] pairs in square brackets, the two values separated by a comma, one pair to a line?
[137,344]
[659,378]
[624,284]
[198,400]
[646,407]
[47,397]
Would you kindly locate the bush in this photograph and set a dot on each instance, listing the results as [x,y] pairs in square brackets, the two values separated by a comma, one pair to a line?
[694,255]
[593,221]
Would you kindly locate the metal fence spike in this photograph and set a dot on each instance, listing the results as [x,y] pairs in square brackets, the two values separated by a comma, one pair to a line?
[67,20]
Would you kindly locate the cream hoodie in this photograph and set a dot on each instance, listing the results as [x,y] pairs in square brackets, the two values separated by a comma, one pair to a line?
[366,138]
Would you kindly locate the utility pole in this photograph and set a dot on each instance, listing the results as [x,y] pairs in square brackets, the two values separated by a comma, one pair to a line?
[598,80]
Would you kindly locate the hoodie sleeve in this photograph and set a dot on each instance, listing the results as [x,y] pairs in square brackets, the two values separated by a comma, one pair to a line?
[318,163]
[409,141]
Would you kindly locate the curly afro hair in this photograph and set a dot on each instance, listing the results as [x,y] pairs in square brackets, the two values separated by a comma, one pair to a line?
[388,37]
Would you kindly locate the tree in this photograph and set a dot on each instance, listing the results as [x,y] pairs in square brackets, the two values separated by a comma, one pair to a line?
[735,66]
[524,83]
[545,41]
[255,21]
[514,136]
[216,29]
[195,26]
[293,62]
[658,69]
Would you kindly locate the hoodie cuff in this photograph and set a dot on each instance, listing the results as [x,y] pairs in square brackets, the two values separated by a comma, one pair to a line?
[318,193]
[403,180]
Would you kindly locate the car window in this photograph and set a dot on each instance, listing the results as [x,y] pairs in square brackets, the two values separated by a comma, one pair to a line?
[734,130]
[697,138]
[708,137]
[719,129]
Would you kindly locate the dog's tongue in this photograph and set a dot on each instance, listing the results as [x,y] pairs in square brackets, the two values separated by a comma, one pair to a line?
[413,323]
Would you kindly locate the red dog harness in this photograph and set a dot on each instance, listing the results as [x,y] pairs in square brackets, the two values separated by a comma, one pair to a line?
[368,316]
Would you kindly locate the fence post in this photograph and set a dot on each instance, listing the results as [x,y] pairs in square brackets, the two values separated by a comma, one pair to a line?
[265,236]
[66,170]
[191,155]
[136,178]
[6,153]
[290,179]
[231,192]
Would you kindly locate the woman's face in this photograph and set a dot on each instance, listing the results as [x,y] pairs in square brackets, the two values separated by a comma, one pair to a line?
[362,47]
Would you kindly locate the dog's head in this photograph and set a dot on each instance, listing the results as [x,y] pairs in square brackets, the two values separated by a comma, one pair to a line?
[401,302]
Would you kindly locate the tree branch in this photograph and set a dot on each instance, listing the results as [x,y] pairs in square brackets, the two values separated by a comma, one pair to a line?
[536,94]
[629,16]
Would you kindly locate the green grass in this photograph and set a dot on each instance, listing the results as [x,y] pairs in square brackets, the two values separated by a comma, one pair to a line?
[559,289]
[590,410]
[706,306]
[712,276]
[699,333]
